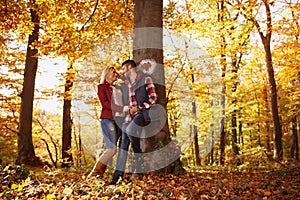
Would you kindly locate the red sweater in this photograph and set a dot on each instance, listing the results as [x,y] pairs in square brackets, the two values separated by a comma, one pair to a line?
[105,96]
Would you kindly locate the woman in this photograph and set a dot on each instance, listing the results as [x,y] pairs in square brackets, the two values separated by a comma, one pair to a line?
[108,125]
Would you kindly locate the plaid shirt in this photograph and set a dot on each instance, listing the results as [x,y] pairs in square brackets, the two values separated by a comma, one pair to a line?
[150,88]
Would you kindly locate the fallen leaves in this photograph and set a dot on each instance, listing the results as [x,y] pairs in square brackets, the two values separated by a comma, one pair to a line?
[191,185]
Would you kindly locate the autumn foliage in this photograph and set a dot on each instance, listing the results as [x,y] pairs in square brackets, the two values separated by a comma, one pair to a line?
[232,79]
[220,184]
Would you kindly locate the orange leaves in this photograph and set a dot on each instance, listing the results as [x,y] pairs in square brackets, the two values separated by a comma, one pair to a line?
[205,185]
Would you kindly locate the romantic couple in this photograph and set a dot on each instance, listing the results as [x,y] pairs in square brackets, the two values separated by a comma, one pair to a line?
[123,115]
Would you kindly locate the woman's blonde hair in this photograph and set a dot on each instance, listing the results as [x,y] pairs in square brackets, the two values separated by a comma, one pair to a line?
[105,72]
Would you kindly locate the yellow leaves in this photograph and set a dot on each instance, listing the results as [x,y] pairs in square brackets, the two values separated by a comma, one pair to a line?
[50,197]
[14,186]
[298,57]
[39,2]
[67,192]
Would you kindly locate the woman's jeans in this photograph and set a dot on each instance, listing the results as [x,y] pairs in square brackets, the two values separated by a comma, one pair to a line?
[109,133]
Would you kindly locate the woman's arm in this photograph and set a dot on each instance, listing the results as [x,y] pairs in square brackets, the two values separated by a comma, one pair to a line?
[105,97]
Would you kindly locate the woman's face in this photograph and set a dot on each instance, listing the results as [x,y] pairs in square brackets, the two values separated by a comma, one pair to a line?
[112,76]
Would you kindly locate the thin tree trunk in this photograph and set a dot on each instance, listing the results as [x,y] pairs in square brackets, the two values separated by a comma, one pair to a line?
[196,146]
[212,139]
[26,153]
[266,40]
[211,154]
[241,138]
[277,132]
[67,121]
[234,134]
[195,131]
[267,125]
[223,133]
[234,113]
[223,100]
[295,147]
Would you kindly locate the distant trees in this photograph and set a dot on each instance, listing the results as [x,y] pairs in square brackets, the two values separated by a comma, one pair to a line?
[227,30]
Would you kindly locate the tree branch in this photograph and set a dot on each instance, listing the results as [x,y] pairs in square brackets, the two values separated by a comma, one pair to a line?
[53,142]
[90,16]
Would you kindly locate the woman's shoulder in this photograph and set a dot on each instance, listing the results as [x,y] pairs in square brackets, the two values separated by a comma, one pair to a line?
[103,85]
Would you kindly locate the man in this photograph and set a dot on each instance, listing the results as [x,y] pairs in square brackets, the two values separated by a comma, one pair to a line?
[125,142]
[141,97]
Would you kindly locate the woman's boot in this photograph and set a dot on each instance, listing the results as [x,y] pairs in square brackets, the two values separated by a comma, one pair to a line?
[98,170]
[100,166]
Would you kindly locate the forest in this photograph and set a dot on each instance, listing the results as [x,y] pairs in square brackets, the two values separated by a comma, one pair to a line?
[227,74]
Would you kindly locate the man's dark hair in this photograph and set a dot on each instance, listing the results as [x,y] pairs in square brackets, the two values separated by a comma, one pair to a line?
[131,62]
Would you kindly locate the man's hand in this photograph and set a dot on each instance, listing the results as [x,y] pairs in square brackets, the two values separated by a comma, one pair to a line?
[133,110]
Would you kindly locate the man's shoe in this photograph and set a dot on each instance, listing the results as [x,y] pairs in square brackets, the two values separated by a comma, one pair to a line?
[114,180]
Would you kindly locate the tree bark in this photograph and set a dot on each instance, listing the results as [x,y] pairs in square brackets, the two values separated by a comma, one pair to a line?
[223,100]
[195,131]
[67,121]
[148,44]
[295,147]
[222,131]
[267,125]
[211,153]
[266,40]
[26,153]
[234,112]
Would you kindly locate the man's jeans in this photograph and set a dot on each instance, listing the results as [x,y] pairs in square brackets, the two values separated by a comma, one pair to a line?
[134,130]
[122,154]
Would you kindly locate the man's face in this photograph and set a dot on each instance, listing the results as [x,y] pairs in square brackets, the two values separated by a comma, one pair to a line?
[127,69]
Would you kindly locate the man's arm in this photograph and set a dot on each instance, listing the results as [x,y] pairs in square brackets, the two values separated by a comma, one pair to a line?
[150,87]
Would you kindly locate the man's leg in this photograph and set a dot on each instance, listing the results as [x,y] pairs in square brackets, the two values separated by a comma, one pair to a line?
[118,123]
[122,156]
[133,130]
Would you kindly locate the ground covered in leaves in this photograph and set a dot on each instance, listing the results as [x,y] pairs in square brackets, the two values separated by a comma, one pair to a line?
[21,183]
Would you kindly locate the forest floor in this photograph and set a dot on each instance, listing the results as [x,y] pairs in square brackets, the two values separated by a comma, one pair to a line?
[204,184]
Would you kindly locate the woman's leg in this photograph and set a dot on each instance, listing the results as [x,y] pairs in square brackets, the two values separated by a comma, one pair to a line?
[109,134]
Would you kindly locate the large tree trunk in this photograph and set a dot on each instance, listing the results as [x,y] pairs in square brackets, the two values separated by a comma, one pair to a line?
[26,154]
[67,121]
[148,44]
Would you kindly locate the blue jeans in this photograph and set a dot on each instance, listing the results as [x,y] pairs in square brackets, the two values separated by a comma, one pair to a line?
[122,154]
[134,130]
[109,133]
[118,123]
